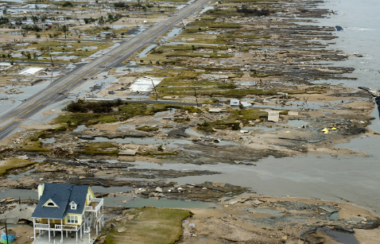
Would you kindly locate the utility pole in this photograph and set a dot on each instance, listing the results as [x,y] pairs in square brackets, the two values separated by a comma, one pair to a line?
[154,87]
[51,59]
[6,230]
[196,97]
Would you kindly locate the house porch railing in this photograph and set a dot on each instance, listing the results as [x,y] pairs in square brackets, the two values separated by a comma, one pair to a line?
[42,226]
[66,227]
[100,202]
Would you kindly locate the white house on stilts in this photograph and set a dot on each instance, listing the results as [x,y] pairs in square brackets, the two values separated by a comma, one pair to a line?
[67,214]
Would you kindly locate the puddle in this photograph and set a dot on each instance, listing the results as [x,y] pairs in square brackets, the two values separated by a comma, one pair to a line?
[334,216]
[126,127]
[168,203]
[191,131]
[154,141]
[16,193]
[146,141]
[47,140]
[341,237]
[260,128]
[297,123]
[144,53]
[80,128]
[14,33]
[174,32]
[18,176]
[266,211]
[16,99]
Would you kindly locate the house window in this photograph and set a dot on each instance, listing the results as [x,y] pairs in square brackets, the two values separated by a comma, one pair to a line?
[50,203]
[73,206]
[72,219]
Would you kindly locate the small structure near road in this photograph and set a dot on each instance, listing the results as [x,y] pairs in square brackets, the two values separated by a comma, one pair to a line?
[234,102]
[66,209]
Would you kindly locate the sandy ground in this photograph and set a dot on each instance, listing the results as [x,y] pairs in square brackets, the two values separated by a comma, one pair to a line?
[10,38]
[367,236]
[24,234]
[234,223]
[116,86]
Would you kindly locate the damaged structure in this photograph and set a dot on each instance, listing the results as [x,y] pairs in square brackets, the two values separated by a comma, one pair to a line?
[65,209]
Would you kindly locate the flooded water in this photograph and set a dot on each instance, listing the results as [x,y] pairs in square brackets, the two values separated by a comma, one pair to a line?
[340,237]
[154,141]
[126,201]
[144,53]
[360,35]
[16,99]
[297,123]
[174,32]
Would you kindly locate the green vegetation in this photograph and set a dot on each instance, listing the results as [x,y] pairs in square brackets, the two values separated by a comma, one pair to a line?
[33,146]
[148,226]
[67,4]
[100,148]
[183,85]
[235,118]
[195,55]
[13,163]
[214,25]
[89,113]
[147,128]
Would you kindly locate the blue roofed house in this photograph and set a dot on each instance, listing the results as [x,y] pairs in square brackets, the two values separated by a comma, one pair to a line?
[64,209]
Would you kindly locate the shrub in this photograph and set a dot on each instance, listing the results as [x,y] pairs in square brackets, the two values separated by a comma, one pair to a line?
[67,4]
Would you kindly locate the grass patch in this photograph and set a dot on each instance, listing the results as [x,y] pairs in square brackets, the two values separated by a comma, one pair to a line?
[109,112]
[152,154]
[234,119]
[33,146]
[71,48]
[13,163]
[214,25]
[150,226]
[147,128]
[196,55]
[100,148]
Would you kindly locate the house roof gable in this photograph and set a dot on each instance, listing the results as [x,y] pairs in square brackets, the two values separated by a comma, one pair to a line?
[62,195]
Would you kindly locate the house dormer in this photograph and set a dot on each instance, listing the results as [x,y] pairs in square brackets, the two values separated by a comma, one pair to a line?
[73,206]
[50,203]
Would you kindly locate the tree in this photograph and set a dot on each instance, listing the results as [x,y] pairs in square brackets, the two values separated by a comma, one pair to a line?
[65,29]
[119,5]
[101,20]
[29,56]
[34,19]
[67,4]
[35,55]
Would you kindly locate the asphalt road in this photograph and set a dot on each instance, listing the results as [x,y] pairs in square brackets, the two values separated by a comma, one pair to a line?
[55,91]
